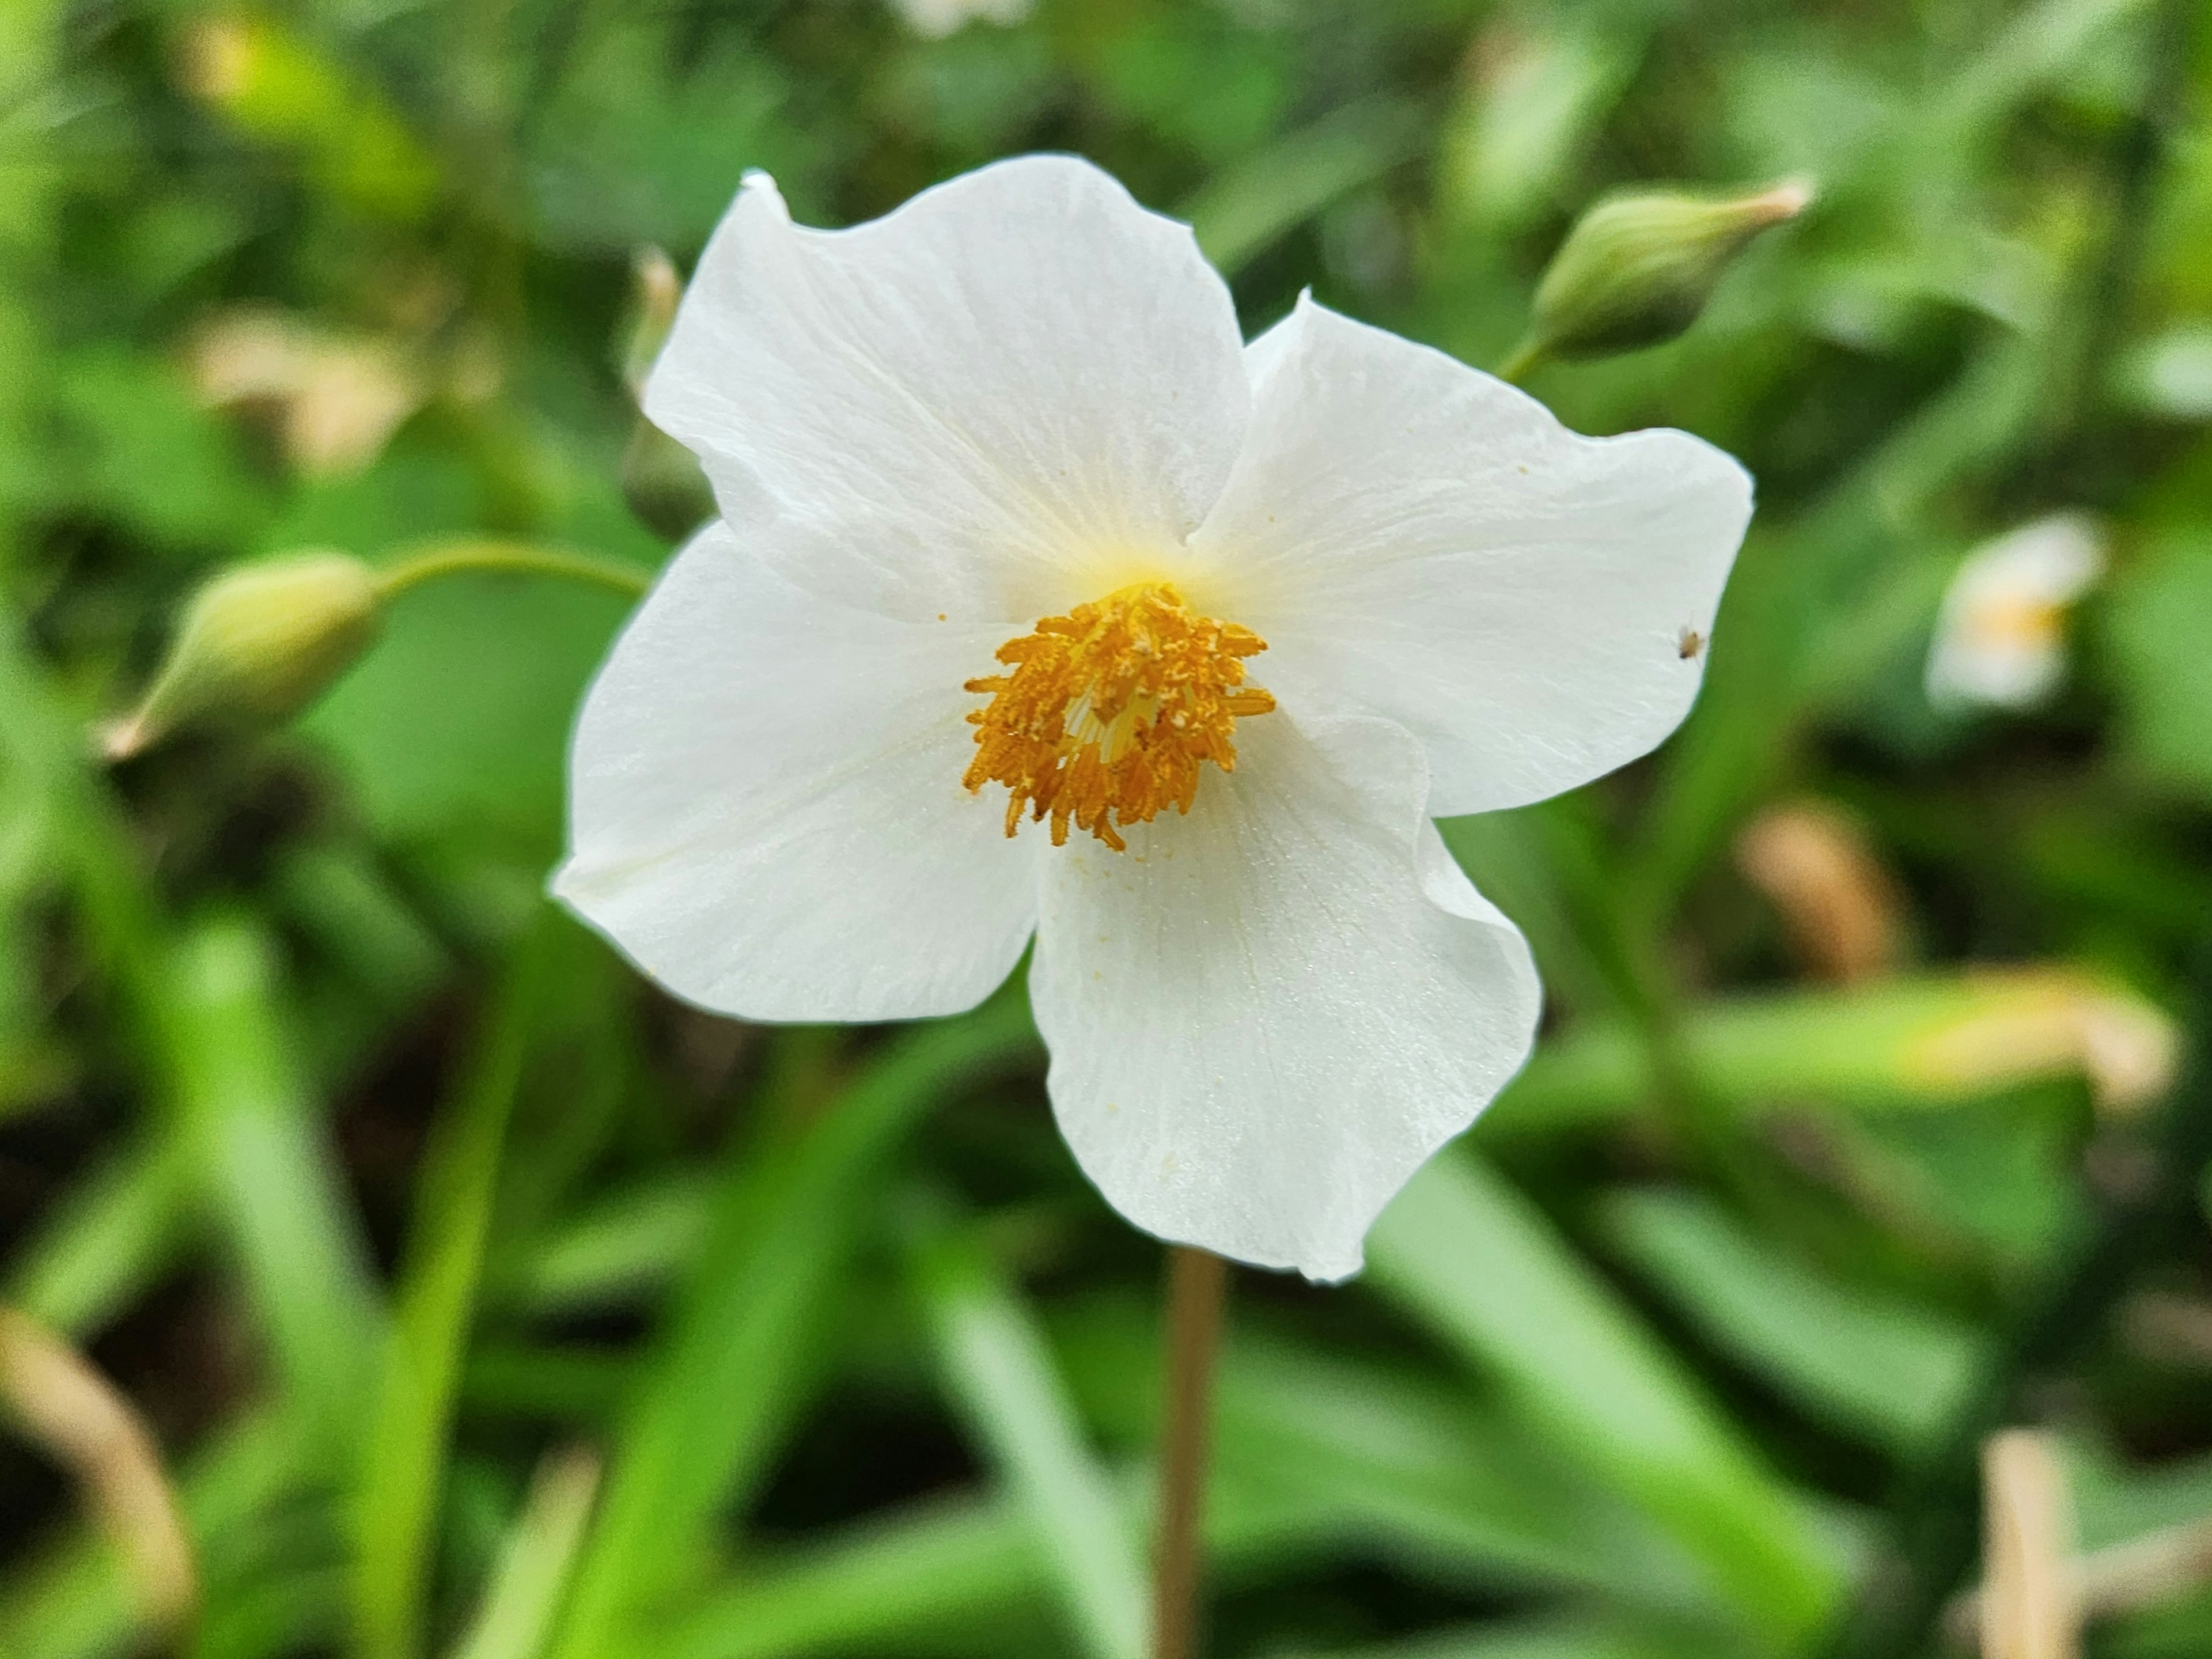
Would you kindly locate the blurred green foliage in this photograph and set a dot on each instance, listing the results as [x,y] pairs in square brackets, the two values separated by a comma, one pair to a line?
[488,1304]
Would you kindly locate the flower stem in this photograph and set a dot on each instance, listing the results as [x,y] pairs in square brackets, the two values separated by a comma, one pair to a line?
[1198,1282]
[468,554]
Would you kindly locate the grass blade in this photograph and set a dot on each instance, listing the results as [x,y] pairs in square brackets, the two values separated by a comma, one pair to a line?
[1886,1369]
[723,1380]
[1572,1637]
[1250,205]
[1002,1375]
[114,1234]
[624,1247]
[403,1474]
[76,1601]
[219,1056]
[271,1178]
[1468,1257]
[1319,1459]
[525,1595]
[1903,1044]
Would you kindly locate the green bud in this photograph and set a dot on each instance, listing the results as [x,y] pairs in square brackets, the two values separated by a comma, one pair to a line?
[661,478]
[1638,270]
[258,642]
[663,482]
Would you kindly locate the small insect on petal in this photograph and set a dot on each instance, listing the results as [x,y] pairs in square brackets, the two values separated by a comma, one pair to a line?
[1689,643]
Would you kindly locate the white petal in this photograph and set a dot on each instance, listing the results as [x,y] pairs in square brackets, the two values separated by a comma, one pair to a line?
[975,405]
[1416,539]
[766,813]
[2000,635]
[1264,1016]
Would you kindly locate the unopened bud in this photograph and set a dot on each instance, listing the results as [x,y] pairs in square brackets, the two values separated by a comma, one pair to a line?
[258,642]
[664,484]
[1638,270]
[660,479]
[654,292]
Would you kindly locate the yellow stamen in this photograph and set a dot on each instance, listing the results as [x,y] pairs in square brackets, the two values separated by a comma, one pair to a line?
[2009,620]
[1110,711]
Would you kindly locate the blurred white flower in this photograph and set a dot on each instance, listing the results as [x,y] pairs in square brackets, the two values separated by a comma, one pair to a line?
[2001,633]
[933,20]
[1016,526]
[2171,375]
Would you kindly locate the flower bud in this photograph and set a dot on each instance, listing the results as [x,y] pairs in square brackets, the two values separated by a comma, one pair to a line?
[655,291]
[661,478]
[260,642]
[1638,270]
[663,482]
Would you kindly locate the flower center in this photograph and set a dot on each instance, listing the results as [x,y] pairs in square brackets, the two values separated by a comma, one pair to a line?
[1110,709]
[2011,620]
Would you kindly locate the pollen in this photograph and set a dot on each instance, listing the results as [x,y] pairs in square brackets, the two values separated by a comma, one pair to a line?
[1109,712]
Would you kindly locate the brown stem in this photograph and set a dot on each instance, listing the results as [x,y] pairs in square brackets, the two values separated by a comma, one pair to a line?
[1197,1283]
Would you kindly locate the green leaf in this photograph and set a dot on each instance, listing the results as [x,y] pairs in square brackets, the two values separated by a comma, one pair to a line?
[115,1233]
[525,1595]
[1465,1255]
[1882,1368]
[1002,1377]
[1554,1636]
[646,140]
[2117,1501]
[1791,604]
[567,1385]
[623,1246]
[403,1467]
[1522,126]
[1903,1044]
[1317,1458]
[284,87]
[938,1573]
[2154,624]
[2039,44]
[142,452]
[222,1064]
[947,1565]
[1538,864]
[2170,374]
[269,1178]
[722,1382]
[76,1600]
[1433,1476]
[1269,194]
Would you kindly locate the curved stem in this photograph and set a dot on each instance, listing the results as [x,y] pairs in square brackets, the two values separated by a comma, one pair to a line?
[473,554]
[1197,1285]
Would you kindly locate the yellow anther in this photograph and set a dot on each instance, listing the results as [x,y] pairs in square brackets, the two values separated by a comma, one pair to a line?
[1110,709]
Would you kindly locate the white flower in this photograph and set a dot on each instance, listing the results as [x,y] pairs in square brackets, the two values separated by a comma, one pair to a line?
[1013,519]
[2001,633]
[932,19]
